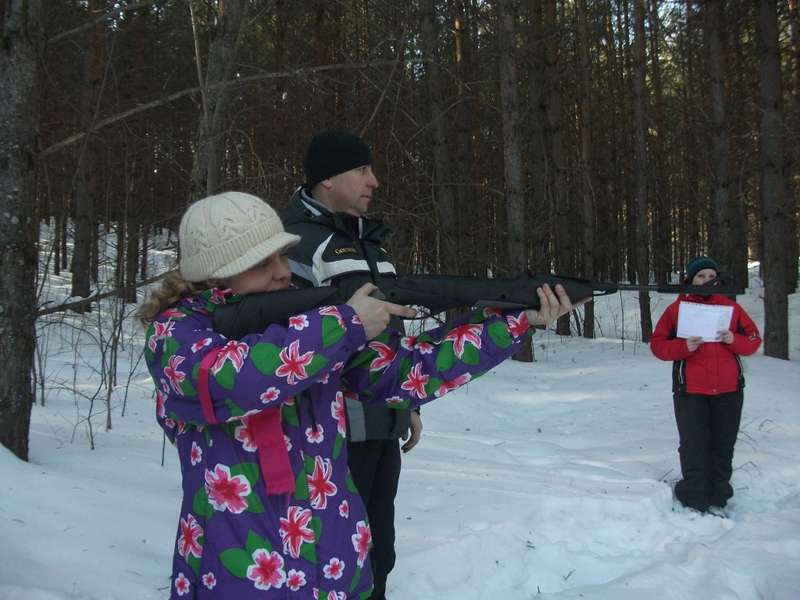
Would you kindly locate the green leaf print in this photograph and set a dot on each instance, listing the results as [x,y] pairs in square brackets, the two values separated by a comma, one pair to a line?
[309,551]
[337,445]
[187,389]
[289,415]
[194,563]
[226,376]
[332,332]
[365,595]
[236,561]
[470,356]
[254,504]
[249,470]
[200,504]
[432,385]
[171,347]
[265,357]
[446,357]
[350,484]
[498,333]
[235,409]
[316,364]
[301,486]
[356,579]
[255,541]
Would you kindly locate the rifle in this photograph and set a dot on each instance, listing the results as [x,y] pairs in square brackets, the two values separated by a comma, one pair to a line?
[437,293]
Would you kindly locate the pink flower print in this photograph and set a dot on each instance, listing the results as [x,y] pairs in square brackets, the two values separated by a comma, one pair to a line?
[191,532]
[244,433]
[218,296]
[334,569]
[267,572]
[161,331]
[319,483]
[169,423]
[288,441]
[199,345]
[294,530]
[337,367]
[233,351]
[298,322]
[182,584]
[332,311]
[338,412]
[416,382]
[491,311]
[394,400]
[452,384]
[295,580]
[424,347]
[161,402]
[226,492]
[210,580]
[294,363]
[270,395]
[324,378]
[356,320]
[463,334]
[407,342]
[315,435]
[195,454]
[385,356]
[173,375]
[336,596]
[518,326]
[362,540]
[344,509]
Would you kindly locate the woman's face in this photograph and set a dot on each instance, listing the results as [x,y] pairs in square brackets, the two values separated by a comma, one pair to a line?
[270,275]
[704,276]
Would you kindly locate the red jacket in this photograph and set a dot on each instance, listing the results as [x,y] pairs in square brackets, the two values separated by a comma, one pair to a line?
[713,368]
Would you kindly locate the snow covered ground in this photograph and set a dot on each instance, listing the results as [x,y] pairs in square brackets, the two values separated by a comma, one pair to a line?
[546,480]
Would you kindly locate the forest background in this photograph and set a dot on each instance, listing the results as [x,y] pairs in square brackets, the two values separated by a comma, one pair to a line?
[609,139]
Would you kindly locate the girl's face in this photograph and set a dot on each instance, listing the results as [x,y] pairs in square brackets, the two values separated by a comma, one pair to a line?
[270,275]
[704,276]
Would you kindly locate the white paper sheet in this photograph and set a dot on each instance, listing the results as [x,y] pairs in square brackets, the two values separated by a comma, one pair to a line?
[703,320]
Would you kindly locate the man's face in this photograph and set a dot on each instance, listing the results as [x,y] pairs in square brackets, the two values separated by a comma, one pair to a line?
[351,192]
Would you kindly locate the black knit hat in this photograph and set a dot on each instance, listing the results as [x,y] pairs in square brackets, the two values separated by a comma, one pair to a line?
[334,152]
[698,264]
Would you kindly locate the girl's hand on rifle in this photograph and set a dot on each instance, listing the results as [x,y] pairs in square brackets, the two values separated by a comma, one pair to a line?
[374,313]
[551,305]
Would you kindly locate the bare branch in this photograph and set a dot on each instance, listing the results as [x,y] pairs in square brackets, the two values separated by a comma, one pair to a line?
[89,24]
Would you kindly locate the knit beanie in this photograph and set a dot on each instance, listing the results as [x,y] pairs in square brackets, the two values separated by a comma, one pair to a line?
[227,234]
[334,152]
[698,264]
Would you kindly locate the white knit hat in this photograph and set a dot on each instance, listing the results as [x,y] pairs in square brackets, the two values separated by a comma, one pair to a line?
[224,235]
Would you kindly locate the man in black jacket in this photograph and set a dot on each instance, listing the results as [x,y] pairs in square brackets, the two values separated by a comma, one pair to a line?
[341,247]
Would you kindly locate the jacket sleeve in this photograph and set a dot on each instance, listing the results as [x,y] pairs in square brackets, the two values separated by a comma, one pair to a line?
[663,343]
[746,338]
[259,371]
[406,371]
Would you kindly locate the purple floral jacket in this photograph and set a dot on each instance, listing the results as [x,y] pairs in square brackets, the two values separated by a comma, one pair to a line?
[237,538]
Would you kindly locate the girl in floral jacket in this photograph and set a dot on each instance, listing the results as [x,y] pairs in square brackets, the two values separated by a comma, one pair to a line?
[269,509]
[707,385]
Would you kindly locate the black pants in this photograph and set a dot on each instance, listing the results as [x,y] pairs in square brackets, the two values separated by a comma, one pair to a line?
[375,467]
[707,426]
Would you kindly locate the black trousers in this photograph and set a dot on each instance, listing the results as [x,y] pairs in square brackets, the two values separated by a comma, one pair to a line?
[375,467]
[707,426]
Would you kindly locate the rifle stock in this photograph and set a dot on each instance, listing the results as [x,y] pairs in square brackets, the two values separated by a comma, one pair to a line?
[437,293]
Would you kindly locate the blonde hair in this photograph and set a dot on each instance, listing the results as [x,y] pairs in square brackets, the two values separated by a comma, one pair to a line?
[173,287]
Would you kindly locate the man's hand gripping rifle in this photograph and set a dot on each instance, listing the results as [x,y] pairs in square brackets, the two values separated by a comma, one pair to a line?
[437,293]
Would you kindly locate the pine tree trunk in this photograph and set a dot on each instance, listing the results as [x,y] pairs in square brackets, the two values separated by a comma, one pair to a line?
[443,191]
[773,186]
[641,166]
[21,33]
[720,227]
[206,169]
